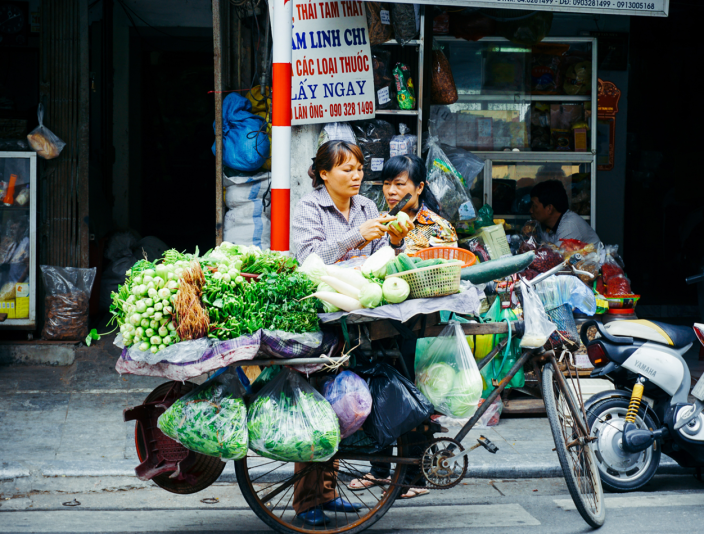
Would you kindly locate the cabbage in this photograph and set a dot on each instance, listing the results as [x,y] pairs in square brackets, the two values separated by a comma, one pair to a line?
[396,290]
[466,392]
[314,268]
[370,295]
[436,381]
[375,266]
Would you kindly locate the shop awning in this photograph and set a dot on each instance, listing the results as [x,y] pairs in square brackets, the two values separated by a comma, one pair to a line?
[650,8]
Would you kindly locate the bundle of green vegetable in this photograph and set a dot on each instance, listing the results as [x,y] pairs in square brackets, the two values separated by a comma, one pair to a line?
[291,422]
[268,261]
[143,306]
[210,422]
[274,302]
[448,376]
[404,263]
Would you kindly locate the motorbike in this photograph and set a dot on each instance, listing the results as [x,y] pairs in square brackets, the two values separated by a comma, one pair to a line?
[648,413]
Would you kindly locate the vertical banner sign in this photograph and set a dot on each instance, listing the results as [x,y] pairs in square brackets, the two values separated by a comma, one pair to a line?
[331,60]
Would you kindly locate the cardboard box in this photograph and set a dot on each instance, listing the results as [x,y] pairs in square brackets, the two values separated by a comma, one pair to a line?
[495,239]
[22,308]
[22,290]
[8,307]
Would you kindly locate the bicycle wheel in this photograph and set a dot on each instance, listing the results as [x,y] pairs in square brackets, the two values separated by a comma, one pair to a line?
[268,487]
[573,449]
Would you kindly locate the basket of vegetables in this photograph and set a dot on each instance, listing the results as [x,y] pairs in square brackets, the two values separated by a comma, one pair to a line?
[427,278]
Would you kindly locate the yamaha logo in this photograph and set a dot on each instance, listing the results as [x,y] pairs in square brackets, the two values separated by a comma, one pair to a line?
[646,370]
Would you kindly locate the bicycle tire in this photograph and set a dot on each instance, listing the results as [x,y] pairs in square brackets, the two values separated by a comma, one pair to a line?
[594,513]
[291,525]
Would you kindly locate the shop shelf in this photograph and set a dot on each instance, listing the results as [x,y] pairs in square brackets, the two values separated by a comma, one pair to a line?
[397,112]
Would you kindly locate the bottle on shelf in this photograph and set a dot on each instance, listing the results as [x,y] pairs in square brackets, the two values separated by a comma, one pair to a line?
[9,198]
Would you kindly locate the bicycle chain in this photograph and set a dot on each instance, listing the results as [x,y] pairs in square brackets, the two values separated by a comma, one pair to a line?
[414,483]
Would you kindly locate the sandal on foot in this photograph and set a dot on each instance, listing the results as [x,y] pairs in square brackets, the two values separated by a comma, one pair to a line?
[367,481]
[414,492]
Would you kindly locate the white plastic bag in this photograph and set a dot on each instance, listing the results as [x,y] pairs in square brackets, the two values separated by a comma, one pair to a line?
[447,374]
[43,141]
[538,325]
[444,181]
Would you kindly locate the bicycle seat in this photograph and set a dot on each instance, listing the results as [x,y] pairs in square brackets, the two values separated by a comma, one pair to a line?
[674,336]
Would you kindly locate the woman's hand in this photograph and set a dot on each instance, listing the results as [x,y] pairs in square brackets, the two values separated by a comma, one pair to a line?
[396,237]
[375,228]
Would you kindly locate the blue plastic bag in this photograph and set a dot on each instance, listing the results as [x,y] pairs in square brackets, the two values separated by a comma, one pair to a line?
[245,144]
[350,399]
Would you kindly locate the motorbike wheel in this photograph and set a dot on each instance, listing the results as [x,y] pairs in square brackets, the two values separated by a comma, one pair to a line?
[621,471]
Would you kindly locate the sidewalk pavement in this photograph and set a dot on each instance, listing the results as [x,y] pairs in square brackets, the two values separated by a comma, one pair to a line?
[59,425]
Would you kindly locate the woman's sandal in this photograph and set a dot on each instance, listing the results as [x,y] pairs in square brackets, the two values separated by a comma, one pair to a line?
[414,492]
[367,481]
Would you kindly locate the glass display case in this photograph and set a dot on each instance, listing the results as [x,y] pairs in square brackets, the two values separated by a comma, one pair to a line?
[18,187]
[528,112]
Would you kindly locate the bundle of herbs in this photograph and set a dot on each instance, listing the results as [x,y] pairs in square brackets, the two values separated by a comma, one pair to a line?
[255,262]
[273,302]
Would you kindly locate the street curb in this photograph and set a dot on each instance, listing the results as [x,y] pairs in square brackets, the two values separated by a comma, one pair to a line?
[26,353]
[125,468]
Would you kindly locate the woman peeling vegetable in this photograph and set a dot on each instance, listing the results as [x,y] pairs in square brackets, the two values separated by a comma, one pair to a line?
[406,174]
[336,223]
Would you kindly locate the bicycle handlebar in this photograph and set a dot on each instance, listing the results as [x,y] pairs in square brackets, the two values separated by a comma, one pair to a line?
[695,279]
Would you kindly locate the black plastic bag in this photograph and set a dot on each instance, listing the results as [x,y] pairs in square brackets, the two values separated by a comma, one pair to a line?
[374,139]
[397,405]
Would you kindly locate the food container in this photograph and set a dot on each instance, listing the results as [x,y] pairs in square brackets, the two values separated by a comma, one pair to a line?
[435,281]
[447,253]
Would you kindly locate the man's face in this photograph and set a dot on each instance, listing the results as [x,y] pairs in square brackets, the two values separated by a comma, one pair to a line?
[539,212]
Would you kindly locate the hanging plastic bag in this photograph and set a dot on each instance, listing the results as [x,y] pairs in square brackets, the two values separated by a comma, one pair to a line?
[290,421]
[499,367]
[349,396]
[405,92]
[538,325]
[379,22]
[397,405]
[448,375]
[336,131]
[466,163]
[384,85]
[66,304]
[43,141]
[444,181]
[442,84]
[403,19]
[245,143]
[405,143]
[211,419]
[374,138]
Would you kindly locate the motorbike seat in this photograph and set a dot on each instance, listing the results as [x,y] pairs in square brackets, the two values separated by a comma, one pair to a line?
[672,335]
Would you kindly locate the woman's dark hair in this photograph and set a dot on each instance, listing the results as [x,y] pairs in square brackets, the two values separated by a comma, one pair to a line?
[415,167]
[551,192]
[332,154]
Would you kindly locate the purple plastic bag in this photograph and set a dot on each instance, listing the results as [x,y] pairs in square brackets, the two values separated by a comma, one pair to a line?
[350,399]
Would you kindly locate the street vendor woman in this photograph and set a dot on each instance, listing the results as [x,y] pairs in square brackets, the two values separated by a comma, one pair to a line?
[336,223]
[404,175]
[550,207]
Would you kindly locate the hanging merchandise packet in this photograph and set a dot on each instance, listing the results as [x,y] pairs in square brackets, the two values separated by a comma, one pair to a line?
[405,93]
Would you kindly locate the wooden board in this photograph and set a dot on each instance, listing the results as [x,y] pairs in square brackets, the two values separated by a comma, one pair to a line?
[523,406]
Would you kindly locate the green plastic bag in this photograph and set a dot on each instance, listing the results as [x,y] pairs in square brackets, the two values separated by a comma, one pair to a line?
[485,217]
[211,419]
[266,376]
[499,367]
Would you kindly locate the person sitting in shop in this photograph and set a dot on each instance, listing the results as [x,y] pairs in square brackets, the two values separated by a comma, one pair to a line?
[550,207]
[402,175]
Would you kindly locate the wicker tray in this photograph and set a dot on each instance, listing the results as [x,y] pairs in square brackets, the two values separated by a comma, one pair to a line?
[435,281]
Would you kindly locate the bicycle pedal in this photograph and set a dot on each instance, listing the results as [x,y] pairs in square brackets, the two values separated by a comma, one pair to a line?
[488,445]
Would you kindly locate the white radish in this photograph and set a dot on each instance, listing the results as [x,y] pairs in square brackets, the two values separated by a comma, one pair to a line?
[341,301]
[341,287]
[350,276]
